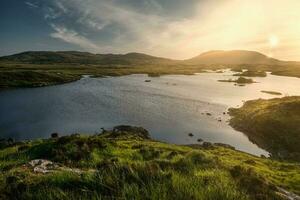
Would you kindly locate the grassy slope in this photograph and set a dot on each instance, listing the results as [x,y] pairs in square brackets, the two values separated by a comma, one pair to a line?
[273,124]
[128,165]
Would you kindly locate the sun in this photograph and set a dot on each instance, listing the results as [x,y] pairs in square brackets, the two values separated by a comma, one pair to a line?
[273,41]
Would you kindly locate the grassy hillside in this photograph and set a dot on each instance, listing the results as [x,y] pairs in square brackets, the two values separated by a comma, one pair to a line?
[49,57]
[273,124]
[126,164]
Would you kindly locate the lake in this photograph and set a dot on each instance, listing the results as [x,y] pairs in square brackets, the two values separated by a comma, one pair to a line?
[170,107]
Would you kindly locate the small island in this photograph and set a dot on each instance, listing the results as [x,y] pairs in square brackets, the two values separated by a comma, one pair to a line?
[249,73]
[271,92]
[240,80]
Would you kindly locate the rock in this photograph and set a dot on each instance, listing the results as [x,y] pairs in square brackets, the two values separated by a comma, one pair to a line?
[208,114]
[147,81]
[199,140]
[42,166]
[54,135]
[191,134]
[207,145]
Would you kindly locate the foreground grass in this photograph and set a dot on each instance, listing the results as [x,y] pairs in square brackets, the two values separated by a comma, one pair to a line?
[127,164]
[272,124]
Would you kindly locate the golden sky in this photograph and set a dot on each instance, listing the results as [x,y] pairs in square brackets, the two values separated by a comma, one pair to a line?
[177,29]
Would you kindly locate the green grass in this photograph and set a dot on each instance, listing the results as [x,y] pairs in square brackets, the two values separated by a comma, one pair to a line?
[127,164]
[272,124]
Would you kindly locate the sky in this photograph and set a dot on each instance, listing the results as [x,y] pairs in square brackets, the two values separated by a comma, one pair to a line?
[177,29]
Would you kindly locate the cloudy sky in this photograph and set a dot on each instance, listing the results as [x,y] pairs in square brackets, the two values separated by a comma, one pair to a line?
[170,28]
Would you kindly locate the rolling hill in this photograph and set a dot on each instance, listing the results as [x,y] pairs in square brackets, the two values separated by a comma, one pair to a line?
[234,57]
[42,68]
[48,57]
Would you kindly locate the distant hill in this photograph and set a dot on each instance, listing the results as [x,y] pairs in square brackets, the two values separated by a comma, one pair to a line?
[49,57]
[235,57]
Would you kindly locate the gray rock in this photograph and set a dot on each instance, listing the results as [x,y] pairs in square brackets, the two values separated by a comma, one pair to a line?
[42,166]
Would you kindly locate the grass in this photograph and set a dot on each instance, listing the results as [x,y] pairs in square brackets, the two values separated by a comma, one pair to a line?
[272,124]
[127,164]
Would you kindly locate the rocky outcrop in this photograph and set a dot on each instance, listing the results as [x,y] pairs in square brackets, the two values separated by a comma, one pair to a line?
[42,166]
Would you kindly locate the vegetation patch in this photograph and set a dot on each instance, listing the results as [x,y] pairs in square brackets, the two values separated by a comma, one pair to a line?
[272,124]
[125,163]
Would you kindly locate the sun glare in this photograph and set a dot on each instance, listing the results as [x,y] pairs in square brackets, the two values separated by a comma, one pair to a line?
[273,41]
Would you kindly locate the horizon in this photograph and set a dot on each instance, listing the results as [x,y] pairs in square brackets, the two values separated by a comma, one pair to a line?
[169,29]
[175,59]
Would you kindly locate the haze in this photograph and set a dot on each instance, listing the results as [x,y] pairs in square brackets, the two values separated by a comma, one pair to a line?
[167,28]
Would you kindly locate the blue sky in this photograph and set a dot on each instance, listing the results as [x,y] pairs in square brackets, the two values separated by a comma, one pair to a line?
[170,28]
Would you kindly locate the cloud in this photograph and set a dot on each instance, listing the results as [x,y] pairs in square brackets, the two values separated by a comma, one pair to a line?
[175,29]
[72,37]
[31,5]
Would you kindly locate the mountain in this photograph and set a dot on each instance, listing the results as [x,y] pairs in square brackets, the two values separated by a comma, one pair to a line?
[234,57]
[49,57]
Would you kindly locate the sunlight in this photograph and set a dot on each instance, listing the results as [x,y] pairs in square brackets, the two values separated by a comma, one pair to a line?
[273,41]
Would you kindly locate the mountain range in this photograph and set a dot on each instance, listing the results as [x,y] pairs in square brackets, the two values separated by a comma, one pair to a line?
[235,57]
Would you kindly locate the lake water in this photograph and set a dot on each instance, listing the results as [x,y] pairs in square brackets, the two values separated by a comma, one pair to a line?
[170,107]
